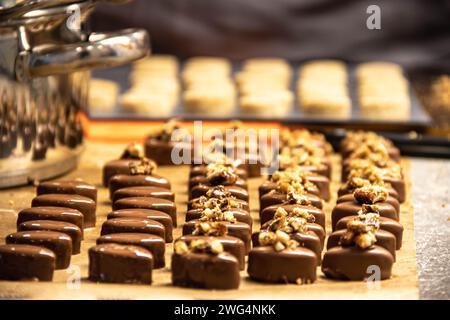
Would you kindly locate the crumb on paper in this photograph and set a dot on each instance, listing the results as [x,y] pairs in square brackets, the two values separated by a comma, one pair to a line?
[11,203]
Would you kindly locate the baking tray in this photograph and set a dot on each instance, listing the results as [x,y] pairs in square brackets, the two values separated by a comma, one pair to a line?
[418,119]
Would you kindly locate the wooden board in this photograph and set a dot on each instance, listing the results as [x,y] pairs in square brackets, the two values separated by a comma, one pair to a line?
[403,284]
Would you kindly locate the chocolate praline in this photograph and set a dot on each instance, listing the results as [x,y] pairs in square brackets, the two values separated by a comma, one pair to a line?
[201,190]
[154,244]
[288,266]
[239,214]
[269,212]
[343,190]
[203,270]
[240,204]
[232,245]
[161,151]
[117,263]
[124,181]
[276,197]
[59,243]
[83,204]
[353,263]
[144,191]
[147,214]
[115,167]
[148,203]
[350,198]
[78,187]
[26,262]
[202,180]
[73,231]
[322,183]
[133,225]
[51,213]
[200,170]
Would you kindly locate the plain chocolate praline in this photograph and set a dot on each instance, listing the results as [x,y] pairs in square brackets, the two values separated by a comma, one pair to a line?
[207,271]
[26,262]
[288,266]
[73,231]
[115,167]
[240,215]
[85,205]
[345,209]
[78,187]
[201,190]
[159,216]
[269,212]
[59,243]
[350,198]
[385,239]
[124,181]
[144,191]
[387,224]
[232,245]
[276,197]
[133,225]
[354,263]
[163,205]
[51,213]
[116,263]
[154,244]
[235,229]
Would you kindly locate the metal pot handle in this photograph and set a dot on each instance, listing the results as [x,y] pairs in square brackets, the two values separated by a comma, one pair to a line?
[101,50]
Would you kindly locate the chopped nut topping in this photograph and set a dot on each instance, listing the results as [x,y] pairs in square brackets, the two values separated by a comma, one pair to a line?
[219,174]
[219,192]
[180,247]
[370,194]
[301,213]
[358,233]
[279,240]
[215,229]
[286,223]
[216,214]
[297,175]
[210,246]
[145,167]
[133,151]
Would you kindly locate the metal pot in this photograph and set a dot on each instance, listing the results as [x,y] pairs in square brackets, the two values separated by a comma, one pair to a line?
[46,52]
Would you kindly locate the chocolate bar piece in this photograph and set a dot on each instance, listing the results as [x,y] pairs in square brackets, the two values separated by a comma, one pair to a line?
[83,204]
[124,181]
[239,214]
[269,212]
[144,191]
[354,263]
[385,239]
[148,203]
[276,197]
[59,243]
[235,229]
[350,198]
[73,231]
[147,214]
[297,265]
[345,209]
[116,263]
[230,244]
[115,167]
[78,187]
[133,225]
[51,213]
[26,262]
[154,244]
[387,224]
[201,190]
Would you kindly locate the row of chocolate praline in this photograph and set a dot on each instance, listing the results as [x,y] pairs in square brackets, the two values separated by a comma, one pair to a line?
[365,220]
[49,232]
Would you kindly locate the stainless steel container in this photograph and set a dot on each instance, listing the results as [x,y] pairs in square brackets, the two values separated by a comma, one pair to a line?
[46,52]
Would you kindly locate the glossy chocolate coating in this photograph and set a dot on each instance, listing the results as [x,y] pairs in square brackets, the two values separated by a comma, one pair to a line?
[238,229]
[343,190]
[200,170]
[119,166]
[202,270]
[161,151]
[124,181]
[287,266]
[59,243]
[116,263]
[324,170]
[308,240]
[201,190]
[51,213]
[385,239]
[240,215]
[78,187]
[350,198]
[232,245]
[159,216]
[386,224]
[85,205]
[148,203]
[241,204]
[399,186]
[143,191]
[195,181]
[133,225]
[273,198]
[345,209]
[269,212]
[154,244]
[352,263]
[73,231]
[26,262]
